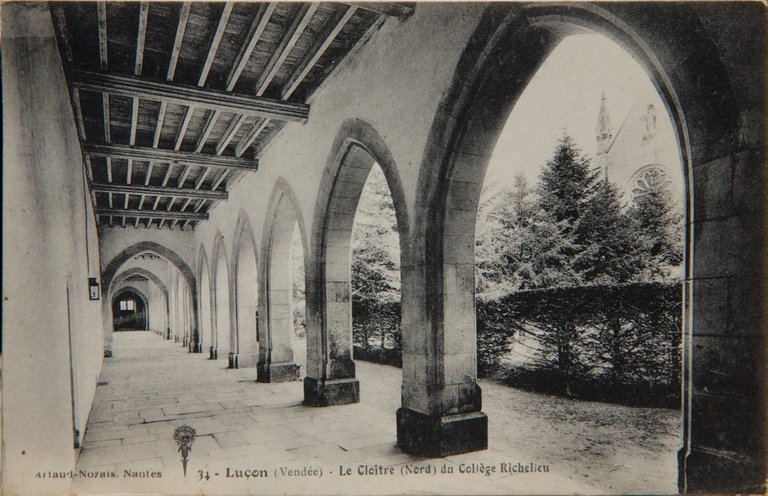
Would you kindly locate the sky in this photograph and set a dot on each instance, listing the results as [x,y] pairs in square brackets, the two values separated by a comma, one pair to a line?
[564,97]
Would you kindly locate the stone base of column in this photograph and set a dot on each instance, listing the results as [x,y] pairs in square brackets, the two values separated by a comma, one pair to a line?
[331,392]
[438,436]
[705,471]
[277,372]
[214,353]
[246,360]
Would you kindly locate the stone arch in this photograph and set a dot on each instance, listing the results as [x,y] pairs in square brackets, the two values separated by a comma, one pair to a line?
[124,275]
[205,305]
[245,290]
[221,299]
[330,367]
[132,291]
[111,269]
[276,359]
[507,47]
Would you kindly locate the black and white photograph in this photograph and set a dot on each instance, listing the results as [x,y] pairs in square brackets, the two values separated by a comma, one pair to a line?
[379,248]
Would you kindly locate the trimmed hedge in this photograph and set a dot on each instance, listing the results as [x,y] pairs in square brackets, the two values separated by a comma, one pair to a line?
[606,342]
[626,335]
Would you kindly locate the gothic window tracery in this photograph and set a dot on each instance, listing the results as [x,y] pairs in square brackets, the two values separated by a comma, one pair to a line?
[651,179]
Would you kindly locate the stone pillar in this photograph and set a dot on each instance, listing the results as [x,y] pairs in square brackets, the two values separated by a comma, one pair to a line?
[724,408]
[275,321]
[276,362]
[331,337]
[441,401]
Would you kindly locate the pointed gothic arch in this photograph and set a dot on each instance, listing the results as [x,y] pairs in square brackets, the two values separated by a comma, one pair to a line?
[276,359]
[136,294]
[122,278]
[112,268]
[507,47]
[244,286]
[221,300]
[330,367]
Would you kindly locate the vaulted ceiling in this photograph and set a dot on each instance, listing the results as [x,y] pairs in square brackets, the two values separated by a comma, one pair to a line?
[176,101]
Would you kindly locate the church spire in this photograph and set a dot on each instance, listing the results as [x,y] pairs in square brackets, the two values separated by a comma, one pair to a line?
[603,131]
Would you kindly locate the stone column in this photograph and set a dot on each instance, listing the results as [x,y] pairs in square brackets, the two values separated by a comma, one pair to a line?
[441,401]
[276,361]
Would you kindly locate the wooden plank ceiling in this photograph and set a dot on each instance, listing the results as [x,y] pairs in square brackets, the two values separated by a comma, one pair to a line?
[175,101]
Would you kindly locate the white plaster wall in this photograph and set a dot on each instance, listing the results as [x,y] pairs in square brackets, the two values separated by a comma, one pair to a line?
[49,251]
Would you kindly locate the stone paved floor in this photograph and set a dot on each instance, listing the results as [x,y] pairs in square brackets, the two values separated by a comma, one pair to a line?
[155,386]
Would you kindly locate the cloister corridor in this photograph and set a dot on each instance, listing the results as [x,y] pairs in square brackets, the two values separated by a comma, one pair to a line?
[242,424]
[158,158]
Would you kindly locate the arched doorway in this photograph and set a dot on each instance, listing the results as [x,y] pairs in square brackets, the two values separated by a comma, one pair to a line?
[129,311]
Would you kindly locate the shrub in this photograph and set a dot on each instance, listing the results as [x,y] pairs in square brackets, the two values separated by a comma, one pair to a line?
[623,334]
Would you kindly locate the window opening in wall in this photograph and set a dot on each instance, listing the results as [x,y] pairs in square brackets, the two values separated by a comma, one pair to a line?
[579,259]
[127,306]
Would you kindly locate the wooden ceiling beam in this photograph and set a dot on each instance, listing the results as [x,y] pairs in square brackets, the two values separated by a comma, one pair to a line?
[149,173]
[250,136]
[141,38]
[63,39]
[254,34]
[180,30]
[199,182]
[101,9]
[60,25]
[220,179]
[184,175]
[400,10]
[215,42]
[209,58]
[158,191]
[287,42]
[229,133]
[329,33]
[210,122]
[190,95]
[170,156]
[150,214]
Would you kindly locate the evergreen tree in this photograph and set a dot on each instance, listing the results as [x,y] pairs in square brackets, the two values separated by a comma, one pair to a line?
[518,246]
[660,225]
[612,248]
[376,266]
[566,183]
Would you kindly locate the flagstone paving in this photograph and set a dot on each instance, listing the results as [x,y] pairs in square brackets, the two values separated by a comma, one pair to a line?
[261,431]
